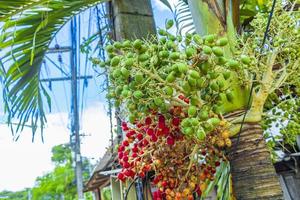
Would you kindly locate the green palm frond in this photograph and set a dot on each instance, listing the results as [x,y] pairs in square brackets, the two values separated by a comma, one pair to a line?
[9,9]
[182,16]
[28,29]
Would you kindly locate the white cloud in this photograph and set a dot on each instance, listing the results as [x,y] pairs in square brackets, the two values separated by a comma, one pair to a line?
[22,161]
[96,126]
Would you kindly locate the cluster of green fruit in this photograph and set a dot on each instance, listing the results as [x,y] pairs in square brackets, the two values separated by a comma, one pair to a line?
[157,74]
[283,114]
[283,39]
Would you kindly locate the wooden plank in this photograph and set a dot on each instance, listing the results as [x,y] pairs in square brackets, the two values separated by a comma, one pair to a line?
[284,188]
[293,185]
[115,189]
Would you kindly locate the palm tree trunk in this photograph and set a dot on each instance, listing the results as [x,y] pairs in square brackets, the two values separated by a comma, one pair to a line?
[253,173]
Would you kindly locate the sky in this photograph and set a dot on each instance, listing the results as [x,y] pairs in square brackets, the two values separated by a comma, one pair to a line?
[22,161]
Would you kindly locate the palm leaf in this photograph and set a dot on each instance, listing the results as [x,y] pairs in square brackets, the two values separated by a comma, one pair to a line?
[222,183]
[9,9]
[29,27]
[182,16]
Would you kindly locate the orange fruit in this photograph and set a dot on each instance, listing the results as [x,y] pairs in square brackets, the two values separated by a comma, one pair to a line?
[190,197]
[178,196]
[202,176]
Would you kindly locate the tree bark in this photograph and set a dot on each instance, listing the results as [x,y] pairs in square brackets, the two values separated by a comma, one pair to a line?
[133,19]
[253,173]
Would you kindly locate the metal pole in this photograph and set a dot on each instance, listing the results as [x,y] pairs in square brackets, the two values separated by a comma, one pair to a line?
[29,195]
[75,114]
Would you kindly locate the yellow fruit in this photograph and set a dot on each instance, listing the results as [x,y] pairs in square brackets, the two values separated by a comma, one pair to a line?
[157,162]
[213,140]
[172,194]
[186,192]
[192,185]
[222,123]
[220,143]
[203,186]
[193,178]
[225,134]
[228,142]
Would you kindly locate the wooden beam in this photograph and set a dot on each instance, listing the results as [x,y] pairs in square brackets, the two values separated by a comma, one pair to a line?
[97,184]
[106,183]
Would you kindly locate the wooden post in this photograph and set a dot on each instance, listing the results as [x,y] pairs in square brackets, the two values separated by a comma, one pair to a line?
[116,192]
[132,19]
[98,194]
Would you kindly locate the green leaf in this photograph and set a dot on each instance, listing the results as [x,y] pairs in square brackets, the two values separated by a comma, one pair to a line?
[183,18]
[28,28]
[182,15]
[222,182]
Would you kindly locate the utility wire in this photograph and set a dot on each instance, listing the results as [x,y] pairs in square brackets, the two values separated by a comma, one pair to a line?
[60,67]
[85,69]
[57,66]
[65,92]
[53,94]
